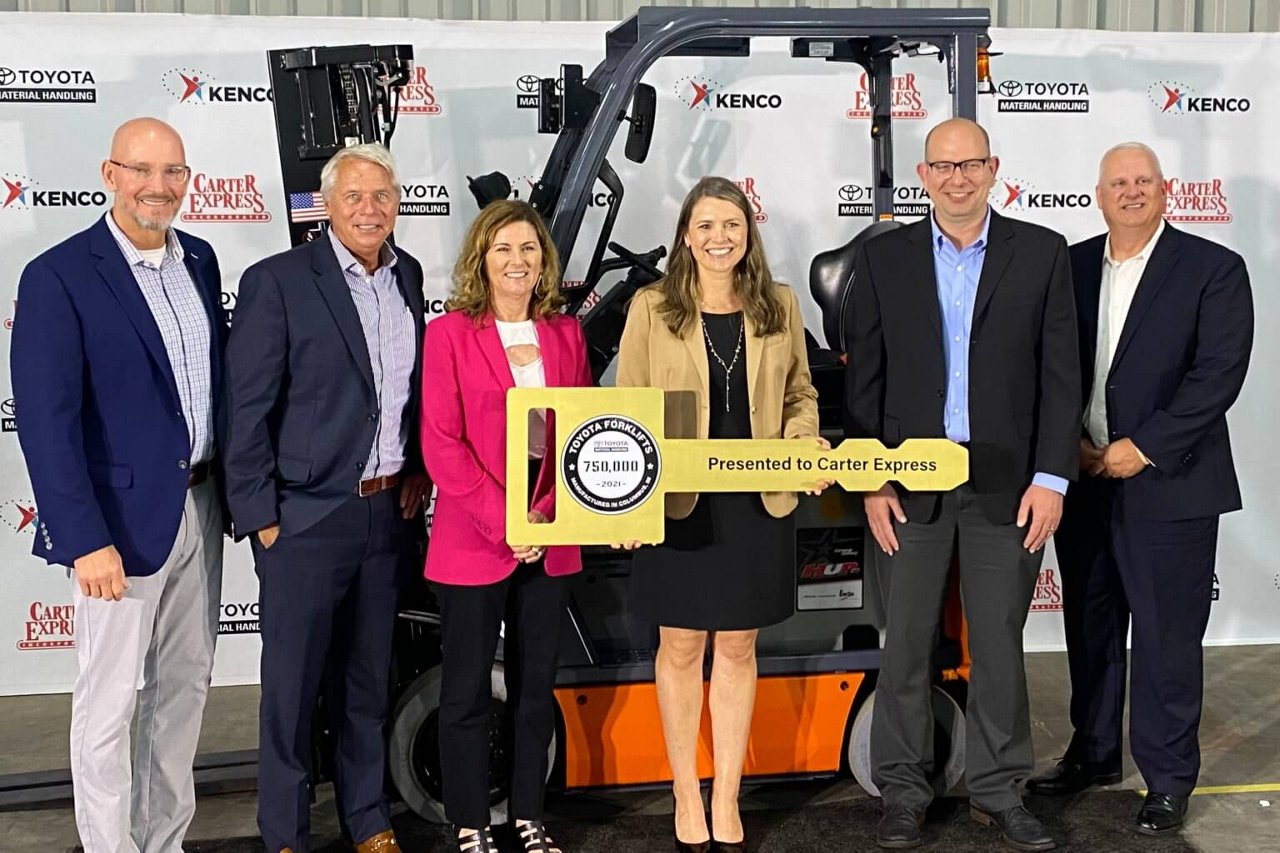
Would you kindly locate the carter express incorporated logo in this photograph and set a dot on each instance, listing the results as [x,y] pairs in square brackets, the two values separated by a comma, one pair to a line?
[47,86]
[1048,594]
[857,200]
[1042,96]
[192,86]
[1014,195]
[905,100]
[224,199]
[1196,201]
[49,626]
[748,187]
[418,96]
[1177,98]
[703,93]
[21,192]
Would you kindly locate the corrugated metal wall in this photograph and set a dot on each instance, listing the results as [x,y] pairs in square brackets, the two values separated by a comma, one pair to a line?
[1162,15]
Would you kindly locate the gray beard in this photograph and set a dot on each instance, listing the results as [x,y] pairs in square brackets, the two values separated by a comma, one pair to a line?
[161,224]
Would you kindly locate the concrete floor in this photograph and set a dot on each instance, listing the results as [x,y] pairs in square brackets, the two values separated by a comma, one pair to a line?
[1237,807]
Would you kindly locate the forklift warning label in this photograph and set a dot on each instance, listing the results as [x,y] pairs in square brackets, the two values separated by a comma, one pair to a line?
[829,568]
[611,464]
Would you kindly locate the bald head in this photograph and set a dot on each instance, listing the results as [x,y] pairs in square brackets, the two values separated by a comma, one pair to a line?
[957,132]
[144,133]
[147,171]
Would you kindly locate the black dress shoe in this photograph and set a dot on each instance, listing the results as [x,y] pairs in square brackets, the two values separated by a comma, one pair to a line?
[1161,814]
[1020,828]
[699,847]
[1072,777]
[728,846]
[899,827]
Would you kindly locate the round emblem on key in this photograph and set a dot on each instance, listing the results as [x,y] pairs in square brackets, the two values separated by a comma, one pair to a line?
[610,464]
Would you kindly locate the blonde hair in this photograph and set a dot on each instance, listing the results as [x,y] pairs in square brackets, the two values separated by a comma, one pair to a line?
[471,288]
[752,280]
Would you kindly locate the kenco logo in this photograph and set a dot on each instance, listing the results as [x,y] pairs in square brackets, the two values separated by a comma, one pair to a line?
[703,93]
[49,626]
[8,415]
[191,86]
[20,192]
[904,101]
[1179,98]
[748,186]
[47,86]
[1035,96]
[20,515]
[856,200]
[424,200]
[417,97]
[528,90]
[215,199]
[1048,594]
[1196,201]
[1014,194]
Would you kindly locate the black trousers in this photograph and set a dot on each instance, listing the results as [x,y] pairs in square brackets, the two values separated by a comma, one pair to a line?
[997,579]
[1119,569]
[531,604]
[327,606]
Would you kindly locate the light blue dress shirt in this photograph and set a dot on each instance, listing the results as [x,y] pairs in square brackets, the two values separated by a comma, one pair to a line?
[957,272]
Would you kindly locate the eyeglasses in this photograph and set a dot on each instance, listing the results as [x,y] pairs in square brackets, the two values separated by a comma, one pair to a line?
[171,174]
[968,168]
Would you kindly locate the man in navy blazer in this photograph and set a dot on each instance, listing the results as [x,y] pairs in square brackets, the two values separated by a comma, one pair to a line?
[325,474]
[1166,326]
[116,363]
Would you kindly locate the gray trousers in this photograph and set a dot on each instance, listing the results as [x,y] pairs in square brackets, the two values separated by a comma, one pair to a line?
[162,630]
[997,580]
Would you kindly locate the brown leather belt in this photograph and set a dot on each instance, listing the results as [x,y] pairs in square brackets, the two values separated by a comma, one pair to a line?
[377,484]
[197,474]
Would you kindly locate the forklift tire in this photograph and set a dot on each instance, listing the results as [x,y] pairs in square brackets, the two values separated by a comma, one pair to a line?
[948,743]
[413,754]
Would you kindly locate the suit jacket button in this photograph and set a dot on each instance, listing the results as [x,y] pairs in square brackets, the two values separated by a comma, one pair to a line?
[184,464]
[48,546]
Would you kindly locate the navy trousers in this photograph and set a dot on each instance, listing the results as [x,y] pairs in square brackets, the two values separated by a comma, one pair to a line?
[327,606]
[1117,570]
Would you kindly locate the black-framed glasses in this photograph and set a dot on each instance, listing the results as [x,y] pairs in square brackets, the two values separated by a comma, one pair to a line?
[969,168]
[143,172]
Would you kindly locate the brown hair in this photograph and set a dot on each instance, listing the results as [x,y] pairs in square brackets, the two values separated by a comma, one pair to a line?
[471,288]
[752,279]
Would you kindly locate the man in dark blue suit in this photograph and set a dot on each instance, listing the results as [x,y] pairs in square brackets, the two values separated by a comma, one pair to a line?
[324,471]
[1166,326]
[116,363]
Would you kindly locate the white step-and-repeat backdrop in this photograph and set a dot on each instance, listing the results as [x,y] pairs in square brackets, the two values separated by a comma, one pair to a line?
[792,132]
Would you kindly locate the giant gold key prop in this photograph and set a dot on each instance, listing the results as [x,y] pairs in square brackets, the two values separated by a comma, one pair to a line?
[614,464]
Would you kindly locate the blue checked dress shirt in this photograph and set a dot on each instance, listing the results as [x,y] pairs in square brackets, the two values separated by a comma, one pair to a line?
[391,340]
[184,327]
[957,272]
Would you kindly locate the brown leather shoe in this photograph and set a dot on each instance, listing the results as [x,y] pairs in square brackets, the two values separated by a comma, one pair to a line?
[383,842]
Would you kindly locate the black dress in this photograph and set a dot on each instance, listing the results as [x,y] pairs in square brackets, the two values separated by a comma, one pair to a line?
[728,566]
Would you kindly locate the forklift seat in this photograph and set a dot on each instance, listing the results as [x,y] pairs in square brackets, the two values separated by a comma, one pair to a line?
[831,281]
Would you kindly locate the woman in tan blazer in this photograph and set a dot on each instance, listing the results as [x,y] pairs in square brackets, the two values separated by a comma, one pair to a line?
[718,329]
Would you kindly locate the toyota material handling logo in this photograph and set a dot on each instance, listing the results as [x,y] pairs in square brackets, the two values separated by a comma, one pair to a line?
[1042,96]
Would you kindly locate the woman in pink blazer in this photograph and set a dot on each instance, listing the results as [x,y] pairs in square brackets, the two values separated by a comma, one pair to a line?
[503,329]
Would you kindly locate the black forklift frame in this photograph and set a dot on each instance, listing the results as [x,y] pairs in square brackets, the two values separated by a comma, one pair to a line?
[590,112]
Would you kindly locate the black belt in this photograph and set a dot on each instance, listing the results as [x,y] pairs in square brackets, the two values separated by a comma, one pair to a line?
[197,474]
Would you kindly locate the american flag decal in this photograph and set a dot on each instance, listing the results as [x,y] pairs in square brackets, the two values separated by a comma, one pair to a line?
[306,207]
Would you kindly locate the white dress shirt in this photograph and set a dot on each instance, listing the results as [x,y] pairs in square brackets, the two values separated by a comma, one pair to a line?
[1119,284]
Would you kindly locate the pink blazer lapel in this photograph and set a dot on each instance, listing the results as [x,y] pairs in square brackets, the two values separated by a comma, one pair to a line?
[491,346]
